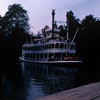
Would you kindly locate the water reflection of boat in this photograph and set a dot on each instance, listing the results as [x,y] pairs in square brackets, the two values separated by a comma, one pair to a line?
[51,49]
[51,79]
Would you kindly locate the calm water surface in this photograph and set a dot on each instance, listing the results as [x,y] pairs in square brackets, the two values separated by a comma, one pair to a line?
[28,81]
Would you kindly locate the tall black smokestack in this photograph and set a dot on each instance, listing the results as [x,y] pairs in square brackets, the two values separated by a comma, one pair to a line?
[53,14]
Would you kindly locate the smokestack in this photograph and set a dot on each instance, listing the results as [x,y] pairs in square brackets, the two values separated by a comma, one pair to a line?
[53,14]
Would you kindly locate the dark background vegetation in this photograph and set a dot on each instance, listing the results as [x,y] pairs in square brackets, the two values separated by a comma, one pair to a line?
[14,32]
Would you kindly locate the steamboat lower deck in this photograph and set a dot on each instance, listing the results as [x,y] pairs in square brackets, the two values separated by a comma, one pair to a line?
[53,62]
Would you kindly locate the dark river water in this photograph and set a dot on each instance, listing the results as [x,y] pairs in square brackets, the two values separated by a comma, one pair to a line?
[28,81]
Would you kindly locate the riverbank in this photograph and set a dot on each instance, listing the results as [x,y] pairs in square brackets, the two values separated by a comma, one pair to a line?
[86,92]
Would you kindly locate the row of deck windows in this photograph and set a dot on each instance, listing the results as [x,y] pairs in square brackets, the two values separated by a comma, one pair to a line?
[35,56]
[38,56]
[42,47]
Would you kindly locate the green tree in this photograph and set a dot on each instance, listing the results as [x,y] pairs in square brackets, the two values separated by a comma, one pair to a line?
[44,30]
[38,35]
[73,24]
[88,24]
[89,29]
[89,38]
[16,17]
[63,32]
[15,29]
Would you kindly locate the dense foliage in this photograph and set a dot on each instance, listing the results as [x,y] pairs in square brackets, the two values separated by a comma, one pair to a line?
[14,29]
[89,39]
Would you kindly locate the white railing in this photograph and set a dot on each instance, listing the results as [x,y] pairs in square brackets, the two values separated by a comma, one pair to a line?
[54,50]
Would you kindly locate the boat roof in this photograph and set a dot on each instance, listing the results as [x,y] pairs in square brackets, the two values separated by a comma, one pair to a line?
[55,30]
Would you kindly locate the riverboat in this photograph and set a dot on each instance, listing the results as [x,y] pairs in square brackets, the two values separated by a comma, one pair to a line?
[51,48]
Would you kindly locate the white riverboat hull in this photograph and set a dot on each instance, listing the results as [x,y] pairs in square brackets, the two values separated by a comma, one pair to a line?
[53,62]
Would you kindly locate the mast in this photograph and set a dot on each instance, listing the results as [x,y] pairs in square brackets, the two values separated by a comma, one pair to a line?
[31,39]
[53,14]
[74,37]
[67,25]
[67,31]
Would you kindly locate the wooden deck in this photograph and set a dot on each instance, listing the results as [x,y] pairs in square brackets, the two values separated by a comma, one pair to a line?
[87,92]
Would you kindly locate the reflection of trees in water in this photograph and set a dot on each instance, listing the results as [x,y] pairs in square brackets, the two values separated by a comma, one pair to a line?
[51,79]
[11,83]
